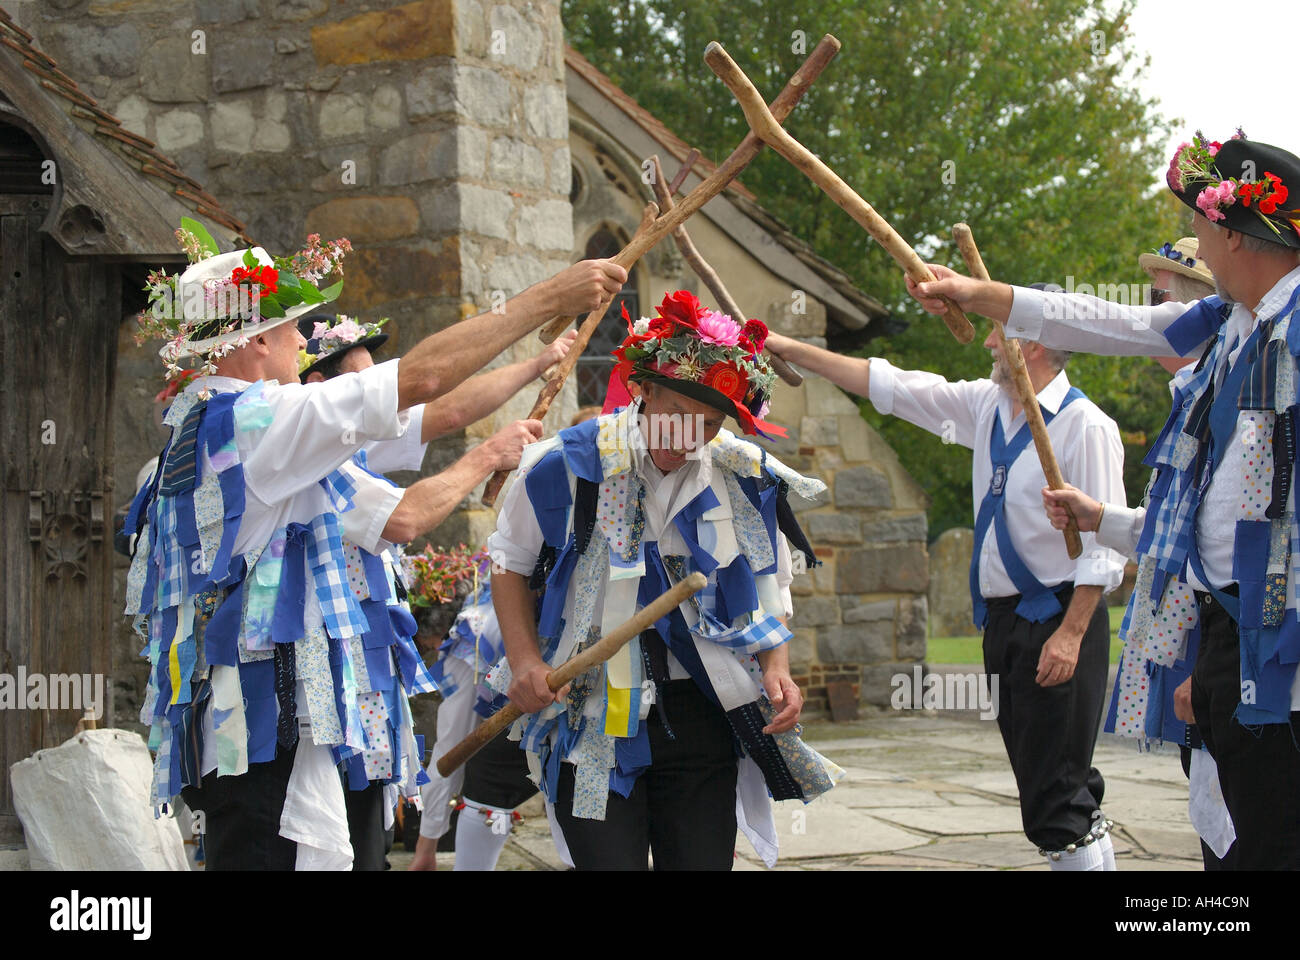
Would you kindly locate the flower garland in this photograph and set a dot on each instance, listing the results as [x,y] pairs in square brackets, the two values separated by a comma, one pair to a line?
[687,342]
[336,337]
[1194,163]
[253,290]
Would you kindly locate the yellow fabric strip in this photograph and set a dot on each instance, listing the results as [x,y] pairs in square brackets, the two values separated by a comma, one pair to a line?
[618,710]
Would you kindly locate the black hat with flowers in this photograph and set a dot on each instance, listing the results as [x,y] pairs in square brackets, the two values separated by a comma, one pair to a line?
[329,337]
[704,355]
[1242,184]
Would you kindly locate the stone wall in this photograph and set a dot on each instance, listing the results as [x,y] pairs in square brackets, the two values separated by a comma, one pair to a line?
[860,616]
[433,134]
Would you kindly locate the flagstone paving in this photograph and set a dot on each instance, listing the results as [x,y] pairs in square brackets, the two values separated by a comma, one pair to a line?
[926,791]
[921,791]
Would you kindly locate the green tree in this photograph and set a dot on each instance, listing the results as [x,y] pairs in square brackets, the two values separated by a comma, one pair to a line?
[1024,118]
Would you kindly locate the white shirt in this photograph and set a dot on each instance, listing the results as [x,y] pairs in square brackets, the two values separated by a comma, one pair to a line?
[517,540]
[1087,447]
[315,429]
[375,499]
[1098,326]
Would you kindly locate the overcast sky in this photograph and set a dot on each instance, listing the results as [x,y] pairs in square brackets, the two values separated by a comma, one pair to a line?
[1219,65]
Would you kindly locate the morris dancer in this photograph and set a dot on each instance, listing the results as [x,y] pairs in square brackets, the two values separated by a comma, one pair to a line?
[1046,631]
[642,756]
[389,667]
[494,782]
[239,583]
[1218,542]
[1142,701]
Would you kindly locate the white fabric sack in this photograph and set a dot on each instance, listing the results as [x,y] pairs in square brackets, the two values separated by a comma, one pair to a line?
[85,805]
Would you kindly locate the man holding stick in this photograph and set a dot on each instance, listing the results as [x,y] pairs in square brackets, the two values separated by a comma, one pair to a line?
[1046,633]
[1218,539]
[239,582]
[642,755]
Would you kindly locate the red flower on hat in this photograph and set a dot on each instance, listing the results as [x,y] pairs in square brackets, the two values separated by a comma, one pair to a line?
[268,278]
[680,306]
[756,331]
[727,380]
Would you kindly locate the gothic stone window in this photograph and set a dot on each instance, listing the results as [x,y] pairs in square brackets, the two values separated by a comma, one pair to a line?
[595,364]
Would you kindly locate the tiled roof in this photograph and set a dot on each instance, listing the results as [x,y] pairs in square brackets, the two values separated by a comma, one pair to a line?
[139,152]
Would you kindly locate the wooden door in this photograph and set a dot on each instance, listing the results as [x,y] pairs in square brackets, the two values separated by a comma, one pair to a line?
[58,338]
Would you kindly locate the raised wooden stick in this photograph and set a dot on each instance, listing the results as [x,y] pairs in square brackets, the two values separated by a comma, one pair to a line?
[703,270]
[768,127]
[560,372]
[576,666]
[1024,386]
[716,182]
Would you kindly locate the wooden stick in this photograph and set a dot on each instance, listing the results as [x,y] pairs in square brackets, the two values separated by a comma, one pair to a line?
[703,270]
[576,666]
[767,126]
[560,372]
[1025,391]
[718,181]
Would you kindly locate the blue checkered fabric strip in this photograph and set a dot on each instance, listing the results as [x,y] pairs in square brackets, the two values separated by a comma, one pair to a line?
[343,615]
[340,489]
[171,559]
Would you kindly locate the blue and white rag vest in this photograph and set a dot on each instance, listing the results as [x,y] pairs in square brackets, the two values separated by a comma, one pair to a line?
[225,632]
[1258,393]
[389,669]
[715,636]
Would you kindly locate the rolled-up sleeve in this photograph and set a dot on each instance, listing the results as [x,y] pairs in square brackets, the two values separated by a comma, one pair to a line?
[1097,468]
[405,453]
[372,504]
[316,428]
[517,541]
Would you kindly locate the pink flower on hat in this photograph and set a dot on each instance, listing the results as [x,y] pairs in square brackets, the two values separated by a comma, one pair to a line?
[346,330]
[718,328]
[1211,199]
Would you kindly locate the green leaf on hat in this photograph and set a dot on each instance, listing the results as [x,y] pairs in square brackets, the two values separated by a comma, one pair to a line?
[270,309]
[206,243]
[249,259]
[310,294]
[332,291]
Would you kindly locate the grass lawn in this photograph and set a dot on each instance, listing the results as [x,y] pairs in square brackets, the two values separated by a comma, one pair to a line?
[969,649]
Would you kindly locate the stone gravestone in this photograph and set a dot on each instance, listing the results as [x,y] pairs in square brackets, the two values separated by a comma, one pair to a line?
[950,607]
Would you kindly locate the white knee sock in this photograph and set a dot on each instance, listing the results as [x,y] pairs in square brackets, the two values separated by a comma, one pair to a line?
[1087,857]
[1107,852]
[480,838]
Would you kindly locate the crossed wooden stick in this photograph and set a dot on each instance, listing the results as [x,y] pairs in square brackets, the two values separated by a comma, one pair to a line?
[1025,391]
[767,127]
[654,227]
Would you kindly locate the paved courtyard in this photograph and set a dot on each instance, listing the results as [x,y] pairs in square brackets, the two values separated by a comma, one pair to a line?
[934,792]
[922,791]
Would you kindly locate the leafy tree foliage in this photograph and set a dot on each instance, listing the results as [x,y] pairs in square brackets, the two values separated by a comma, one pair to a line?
[1025,118]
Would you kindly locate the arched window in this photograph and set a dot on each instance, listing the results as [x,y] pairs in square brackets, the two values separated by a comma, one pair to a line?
[595,364]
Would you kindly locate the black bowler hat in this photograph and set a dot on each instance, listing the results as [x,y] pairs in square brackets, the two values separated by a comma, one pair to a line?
[1242,184]
[320,350]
